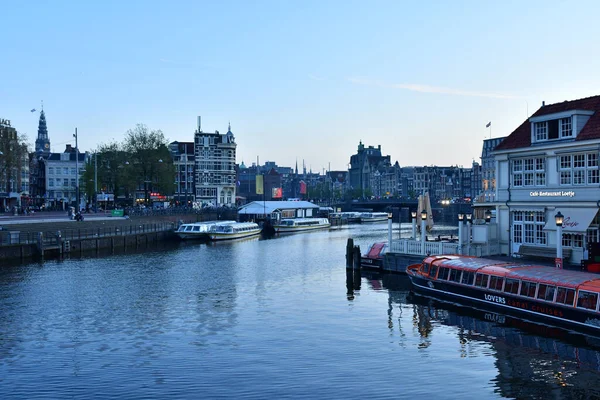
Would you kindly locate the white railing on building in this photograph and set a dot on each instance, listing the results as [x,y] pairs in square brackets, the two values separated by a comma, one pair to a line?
[411,246]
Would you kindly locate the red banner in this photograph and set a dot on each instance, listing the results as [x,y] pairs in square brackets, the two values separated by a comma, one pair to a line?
[302,187]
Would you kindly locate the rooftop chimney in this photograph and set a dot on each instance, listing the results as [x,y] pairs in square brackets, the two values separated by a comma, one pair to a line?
[543,103]
[199,123]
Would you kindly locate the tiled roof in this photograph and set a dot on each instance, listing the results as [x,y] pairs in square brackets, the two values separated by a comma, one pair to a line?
[521,137]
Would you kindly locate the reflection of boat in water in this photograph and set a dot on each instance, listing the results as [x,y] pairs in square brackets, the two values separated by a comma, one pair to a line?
[555,296]
[525,350]
[236,230]
[373,217]
[293,225]
[373,257]
[198,230]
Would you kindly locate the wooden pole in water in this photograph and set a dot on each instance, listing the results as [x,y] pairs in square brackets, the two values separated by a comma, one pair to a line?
[356,267]
[349,252]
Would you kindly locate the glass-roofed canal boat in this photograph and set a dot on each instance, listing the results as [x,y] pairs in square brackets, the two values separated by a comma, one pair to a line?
[556,296]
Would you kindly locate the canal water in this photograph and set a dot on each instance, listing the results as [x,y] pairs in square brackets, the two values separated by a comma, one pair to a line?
[266,319]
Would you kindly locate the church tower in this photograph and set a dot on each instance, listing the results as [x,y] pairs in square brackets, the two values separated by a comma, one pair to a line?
[42,143]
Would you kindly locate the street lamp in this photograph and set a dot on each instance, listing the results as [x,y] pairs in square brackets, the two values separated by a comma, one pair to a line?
[461,217]
[77,200]
[559,218]
[423,227]
[488,216]
[390,229]
[414,224]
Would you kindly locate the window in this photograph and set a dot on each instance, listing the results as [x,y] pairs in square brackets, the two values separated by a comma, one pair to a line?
[65,182]
[528,288]
[512,286]
[443,274]
[467,278]
[65,171]
[481,280]
[541,131]
[51,182]
[529,172]
[566,128]
[528,227]
[426,267]
[73,171]
[433,271]
[565,296]
[50,170]
[73,182]
[546,292]
[587,300]
[572,240]
[496,282]
[579,169]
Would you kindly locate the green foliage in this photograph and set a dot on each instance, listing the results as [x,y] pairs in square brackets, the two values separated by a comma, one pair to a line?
[14,148]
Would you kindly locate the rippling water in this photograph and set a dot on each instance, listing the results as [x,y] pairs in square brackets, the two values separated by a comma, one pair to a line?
[265,319]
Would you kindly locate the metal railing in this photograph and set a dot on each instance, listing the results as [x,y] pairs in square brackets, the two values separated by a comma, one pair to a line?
[8,238]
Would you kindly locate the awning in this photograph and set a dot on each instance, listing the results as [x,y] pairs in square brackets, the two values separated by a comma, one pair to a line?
[576,219]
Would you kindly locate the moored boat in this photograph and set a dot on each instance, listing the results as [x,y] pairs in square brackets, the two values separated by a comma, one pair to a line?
[373,217]
[301,224]
[373,258]
[198,230]
[558,296]
[236,230]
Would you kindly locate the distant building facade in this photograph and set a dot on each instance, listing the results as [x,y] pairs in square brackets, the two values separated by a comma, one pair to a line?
[61,177]
[488,169]
[215,178]
[14,168]
[184,161]
[362,169]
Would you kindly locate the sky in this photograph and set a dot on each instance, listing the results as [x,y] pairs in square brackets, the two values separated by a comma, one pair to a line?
[297,80]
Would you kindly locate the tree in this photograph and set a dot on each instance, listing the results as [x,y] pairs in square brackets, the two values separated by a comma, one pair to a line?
[15,155]
[150,161]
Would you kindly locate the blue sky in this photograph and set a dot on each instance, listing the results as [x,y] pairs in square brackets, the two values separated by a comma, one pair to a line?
[298,80]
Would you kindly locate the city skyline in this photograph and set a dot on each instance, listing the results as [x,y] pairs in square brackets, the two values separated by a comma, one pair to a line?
[297,81]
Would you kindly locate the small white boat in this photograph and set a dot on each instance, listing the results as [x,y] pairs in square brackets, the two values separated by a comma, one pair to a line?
[373,217]
[301,224]
[198,230]
[237,230]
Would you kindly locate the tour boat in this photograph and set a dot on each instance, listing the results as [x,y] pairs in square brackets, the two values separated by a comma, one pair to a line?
[301,224]
[561,297]
[237,230]
[373,217]
[373,258]
[198,230]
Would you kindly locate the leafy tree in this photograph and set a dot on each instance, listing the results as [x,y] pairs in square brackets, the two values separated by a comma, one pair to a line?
[14,148]
[150,162]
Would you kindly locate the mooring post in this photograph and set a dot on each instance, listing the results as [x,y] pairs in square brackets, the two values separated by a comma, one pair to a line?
[356,267]
[349,252]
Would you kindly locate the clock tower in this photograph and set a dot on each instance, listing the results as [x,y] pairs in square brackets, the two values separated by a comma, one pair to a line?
[42,143]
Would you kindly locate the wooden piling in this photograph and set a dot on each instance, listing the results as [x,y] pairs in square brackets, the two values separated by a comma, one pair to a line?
[356,269]
[349,253]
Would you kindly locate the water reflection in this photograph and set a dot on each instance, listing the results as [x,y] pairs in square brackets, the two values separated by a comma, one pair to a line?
[532,360]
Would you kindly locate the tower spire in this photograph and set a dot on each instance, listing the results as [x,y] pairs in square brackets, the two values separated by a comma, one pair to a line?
[42,143]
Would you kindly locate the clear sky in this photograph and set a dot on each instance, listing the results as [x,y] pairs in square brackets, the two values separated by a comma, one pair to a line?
[297,79]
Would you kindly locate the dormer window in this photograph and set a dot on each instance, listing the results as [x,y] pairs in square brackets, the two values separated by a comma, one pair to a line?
[566,128]
[541,131]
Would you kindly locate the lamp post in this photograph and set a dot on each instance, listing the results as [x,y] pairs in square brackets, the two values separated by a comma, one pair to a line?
[76,172]
[469,222]
[558,218]
[461,217]
[414,224]
[423,227]
[390,230]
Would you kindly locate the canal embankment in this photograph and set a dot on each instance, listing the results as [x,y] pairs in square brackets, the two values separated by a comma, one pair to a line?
[49,236]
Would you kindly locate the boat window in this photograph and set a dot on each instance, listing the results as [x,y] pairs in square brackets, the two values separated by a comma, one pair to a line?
[425,267]
[433,271]
[528,288]
[496,282]
[587,300]
[565,296]
[196,229]
[455,275]
[443,274]
[188,228]
[512,286]
[467,277]
[546,292]
[481,280]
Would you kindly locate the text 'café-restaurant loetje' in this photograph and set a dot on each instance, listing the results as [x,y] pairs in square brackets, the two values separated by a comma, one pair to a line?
[548,165]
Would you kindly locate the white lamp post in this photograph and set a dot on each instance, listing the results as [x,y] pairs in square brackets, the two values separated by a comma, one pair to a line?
[414,225]
[558,218]
[461,217]
[469,222]
[390,230]
[423,227]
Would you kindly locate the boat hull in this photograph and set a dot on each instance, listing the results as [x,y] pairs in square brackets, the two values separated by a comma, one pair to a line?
[192,235]
[232,236]
[545,312]
[293,229]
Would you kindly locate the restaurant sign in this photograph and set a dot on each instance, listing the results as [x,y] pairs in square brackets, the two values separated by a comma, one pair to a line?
[557,193]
